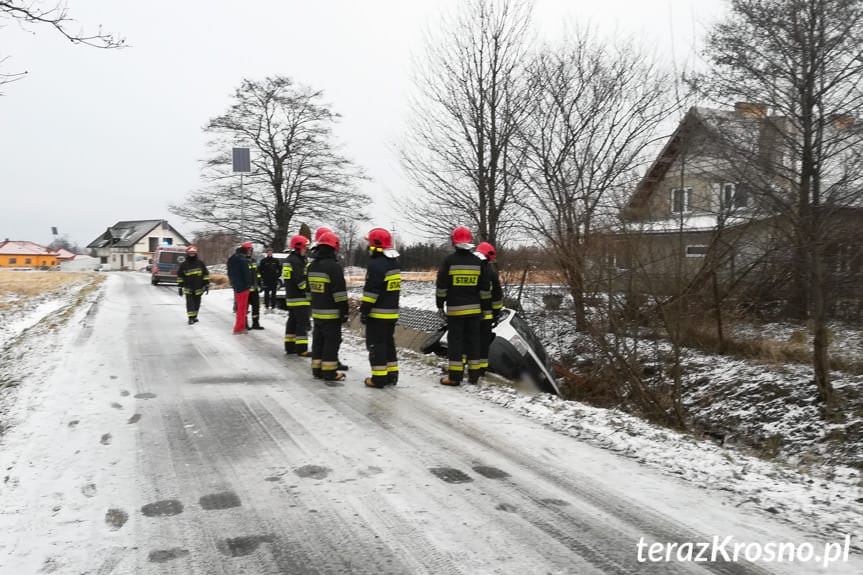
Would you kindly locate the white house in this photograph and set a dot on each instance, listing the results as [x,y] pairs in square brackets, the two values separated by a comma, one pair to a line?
[129,245]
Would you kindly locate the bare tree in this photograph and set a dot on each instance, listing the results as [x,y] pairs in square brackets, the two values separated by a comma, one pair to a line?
[595,110]
[471,99]
[804,59]
[297,172]
[54,15]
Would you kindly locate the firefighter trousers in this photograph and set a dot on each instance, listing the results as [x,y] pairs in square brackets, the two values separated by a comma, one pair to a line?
[255,302]
[381,345]
[297,329]
[326,341]
[485,337]
[193,304]
[463,343]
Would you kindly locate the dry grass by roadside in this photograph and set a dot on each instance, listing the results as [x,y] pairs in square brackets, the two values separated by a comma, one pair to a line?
[17,284]
[702,335]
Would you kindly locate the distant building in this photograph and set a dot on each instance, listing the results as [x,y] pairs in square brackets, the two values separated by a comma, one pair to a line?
[23,254]
[129,245]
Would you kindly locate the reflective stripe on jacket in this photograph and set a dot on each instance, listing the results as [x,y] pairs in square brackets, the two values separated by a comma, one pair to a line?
[382,288]
[463,284]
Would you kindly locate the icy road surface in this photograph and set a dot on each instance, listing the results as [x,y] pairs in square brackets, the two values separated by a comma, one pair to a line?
[160,448]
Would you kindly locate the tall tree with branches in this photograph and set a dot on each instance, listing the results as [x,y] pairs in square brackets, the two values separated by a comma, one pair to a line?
[595,109]
[471,98]
[53,15]
[297,174]
[803,59]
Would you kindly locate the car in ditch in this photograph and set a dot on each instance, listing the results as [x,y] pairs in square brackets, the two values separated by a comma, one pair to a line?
[515,352]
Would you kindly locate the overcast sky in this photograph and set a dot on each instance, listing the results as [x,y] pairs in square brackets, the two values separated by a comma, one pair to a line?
[91,136]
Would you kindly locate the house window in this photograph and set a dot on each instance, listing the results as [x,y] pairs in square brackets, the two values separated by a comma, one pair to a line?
[696,251]
[153,244]
[623,260]
[732,196]
[27,261]
[13,260]
[681,200]
[844,257]
[167,241]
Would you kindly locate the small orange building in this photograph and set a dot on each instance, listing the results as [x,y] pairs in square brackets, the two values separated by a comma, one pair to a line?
[27,255]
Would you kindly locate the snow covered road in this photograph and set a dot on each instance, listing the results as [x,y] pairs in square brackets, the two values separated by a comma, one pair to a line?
[157,447]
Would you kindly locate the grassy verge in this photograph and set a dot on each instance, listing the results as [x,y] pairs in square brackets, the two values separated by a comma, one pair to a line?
[15,285]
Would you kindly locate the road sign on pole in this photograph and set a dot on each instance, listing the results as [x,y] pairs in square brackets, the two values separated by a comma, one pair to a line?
[242,162]
[242,165]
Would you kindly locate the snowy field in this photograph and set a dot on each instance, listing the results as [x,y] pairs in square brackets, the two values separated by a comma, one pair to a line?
[825,500]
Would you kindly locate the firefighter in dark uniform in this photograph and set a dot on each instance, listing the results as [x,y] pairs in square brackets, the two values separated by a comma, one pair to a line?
[329,308]
[486,252]
[379,309]
[296,298]
[463,284]
[271,270]
[254,291]
[193,280]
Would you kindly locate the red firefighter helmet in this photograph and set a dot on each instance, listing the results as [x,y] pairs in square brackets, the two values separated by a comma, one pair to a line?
[192,250]
[379,238]
[247,245]
[487,250]
[321,231]
[461,235]
[298,242]
[329,239]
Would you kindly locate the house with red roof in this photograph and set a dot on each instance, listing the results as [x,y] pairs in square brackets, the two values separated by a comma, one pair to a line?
[24,254]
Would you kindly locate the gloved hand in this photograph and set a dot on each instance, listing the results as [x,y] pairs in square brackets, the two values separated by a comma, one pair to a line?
[495,319]
[180,291]
[441,314]
[207,289]
[345,318]
[363,318]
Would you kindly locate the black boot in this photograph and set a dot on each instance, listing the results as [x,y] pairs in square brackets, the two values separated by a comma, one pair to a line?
[256,325]
[191,320]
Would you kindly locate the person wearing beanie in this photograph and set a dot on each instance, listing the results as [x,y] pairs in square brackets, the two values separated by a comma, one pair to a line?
[240,276]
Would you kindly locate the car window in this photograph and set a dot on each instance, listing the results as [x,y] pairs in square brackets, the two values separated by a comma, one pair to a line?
[171,257]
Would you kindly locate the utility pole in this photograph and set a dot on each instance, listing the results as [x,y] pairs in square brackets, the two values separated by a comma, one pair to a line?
[242,165]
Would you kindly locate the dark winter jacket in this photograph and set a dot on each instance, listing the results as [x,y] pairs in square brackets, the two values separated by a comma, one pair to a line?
[496,290]
[294,278]
[239,273]
[256,275]
[271,269]
[382,288]
[327,286]
[463,284]
[192,276]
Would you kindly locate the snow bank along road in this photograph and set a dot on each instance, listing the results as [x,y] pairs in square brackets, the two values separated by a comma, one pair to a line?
[157,447]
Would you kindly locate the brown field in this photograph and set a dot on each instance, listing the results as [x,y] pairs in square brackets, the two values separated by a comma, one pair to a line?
[28,284]
[540,277]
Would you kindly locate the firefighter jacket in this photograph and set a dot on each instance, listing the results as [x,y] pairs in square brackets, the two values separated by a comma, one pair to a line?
[256,275]
[463,283]
[327,286]
[294,278]
[382,287]
[495,289]
[239,273]
[270,268]
[192,276]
